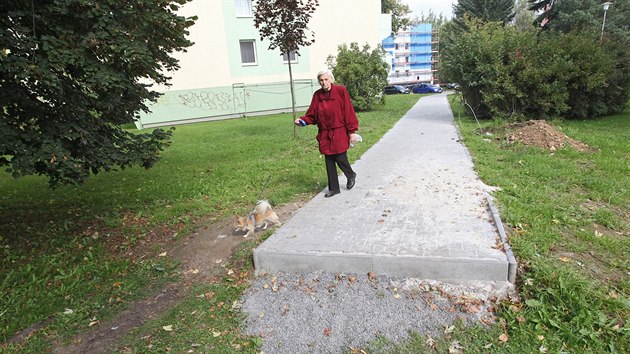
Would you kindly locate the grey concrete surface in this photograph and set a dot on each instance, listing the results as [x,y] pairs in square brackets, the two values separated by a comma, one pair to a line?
[418,210]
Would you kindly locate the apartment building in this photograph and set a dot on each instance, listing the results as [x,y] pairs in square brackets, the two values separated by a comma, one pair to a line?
[230,72]
[413,55]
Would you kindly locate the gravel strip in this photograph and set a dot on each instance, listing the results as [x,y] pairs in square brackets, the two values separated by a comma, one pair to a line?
[328,313]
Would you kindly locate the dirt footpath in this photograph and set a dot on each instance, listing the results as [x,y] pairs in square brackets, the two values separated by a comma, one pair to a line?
[200,254]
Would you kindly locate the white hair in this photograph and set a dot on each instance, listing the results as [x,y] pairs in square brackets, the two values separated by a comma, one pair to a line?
[326,72]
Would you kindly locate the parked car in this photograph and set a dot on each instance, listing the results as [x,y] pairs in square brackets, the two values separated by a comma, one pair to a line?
[395,89]
[426,88]
[452,85]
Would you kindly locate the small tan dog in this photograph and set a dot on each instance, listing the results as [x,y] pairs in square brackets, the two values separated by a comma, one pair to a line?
[262,214]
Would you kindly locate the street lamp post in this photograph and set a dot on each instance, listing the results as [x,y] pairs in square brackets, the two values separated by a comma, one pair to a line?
[605,5]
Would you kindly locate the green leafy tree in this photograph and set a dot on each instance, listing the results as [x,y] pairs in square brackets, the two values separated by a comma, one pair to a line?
[546,10]
[583,15]
[586,17]
[435,20]
[284,23]
[523,16]
[484,10]
[399,11]
[72,72]
[363,72]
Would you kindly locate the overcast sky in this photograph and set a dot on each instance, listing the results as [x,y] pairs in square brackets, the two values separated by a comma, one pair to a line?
[445,7]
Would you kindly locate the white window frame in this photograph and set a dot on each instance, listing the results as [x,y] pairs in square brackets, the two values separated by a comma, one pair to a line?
[243,8]
[293,55]
[253,44]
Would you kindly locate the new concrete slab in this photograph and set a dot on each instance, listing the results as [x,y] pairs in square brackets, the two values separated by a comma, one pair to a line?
[418,210]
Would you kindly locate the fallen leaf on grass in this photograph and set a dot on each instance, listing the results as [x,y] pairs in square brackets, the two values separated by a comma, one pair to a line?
[455,348]
[503,338]
[216,334]
[449,329]
[565,259]
[168,328]
[163,254]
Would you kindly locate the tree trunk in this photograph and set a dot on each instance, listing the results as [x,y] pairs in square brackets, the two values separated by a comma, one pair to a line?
[292,95]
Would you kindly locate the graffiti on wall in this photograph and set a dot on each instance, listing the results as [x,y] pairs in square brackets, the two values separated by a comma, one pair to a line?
[211,101]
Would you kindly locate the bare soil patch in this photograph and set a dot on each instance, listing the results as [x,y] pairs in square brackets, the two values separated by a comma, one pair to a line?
[540,134]
[199,253]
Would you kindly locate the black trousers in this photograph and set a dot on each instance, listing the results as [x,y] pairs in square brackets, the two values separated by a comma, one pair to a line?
[331,170]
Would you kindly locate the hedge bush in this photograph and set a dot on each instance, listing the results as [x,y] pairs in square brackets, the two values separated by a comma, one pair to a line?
[513,74]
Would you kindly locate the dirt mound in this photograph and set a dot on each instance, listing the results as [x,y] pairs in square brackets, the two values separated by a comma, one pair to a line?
[540,134]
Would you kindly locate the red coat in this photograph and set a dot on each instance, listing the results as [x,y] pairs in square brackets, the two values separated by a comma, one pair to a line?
[335,117]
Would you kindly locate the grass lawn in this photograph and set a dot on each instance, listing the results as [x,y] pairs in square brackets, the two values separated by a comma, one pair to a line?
[61,249]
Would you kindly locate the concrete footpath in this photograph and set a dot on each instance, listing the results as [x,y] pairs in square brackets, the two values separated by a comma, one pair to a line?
[417,210]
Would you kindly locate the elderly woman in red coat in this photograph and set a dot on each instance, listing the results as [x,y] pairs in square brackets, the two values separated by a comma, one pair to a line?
[331,110]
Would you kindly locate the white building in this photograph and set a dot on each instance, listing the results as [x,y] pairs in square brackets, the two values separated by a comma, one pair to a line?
[230,72]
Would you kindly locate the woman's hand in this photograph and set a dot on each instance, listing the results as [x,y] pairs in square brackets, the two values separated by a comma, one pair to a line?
[353,138]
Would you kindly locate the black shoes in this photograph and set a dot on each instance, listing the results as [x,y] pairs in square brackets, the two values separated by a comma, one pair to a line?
[330,194]
[349,186]
[351,181]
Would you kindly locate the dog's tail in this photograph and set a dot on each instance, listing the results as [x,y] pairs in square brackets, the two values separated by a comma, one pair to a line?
[262,206]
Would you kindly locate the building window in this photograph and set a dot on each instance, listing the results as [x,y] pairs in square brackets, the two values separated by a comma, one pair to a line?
[243,8]
[292,55]
[248,52]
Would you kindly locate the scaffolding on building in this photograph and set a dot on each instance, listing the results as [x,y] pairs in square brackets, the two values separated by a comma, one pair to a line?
[413,55]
